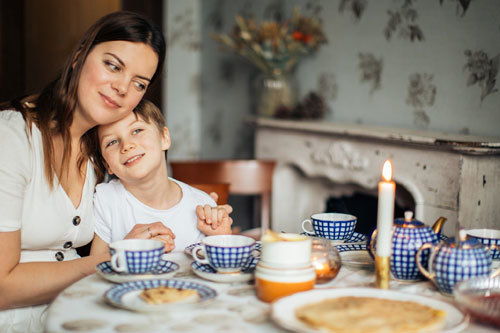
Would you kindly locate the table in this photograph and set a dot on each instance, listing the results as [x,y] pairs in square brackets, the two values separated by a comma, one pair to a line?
[82,308]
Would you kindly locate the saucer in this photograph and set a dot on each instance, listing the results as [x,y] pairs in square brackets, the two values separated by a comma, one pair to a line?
[209,273]
[127,295]
[163,270]
[351,247]
[188,250]
[356,237]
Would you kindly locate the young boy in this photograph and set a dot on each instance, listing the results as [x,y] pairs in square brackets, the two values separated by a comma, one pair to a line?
[133,149]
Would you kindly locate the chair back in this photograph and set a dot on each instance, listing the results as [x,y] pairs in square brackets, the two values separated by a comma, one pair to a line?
[222,190]
[245,177]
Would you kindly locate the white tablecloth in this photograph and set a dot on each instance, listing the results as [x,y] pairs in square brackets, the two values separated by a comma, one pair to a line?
[81,307]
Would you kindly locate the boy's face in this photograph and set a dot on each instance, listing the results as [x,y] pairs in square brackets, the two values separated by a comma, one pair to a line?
[133,149]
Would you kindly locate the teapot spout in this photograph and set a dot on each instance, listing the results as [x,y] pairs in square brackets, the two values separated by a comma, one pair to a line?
[438,225]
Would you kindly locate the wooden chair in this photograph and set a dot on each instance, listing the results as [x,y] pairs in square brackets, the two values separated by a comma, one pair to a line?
[246,177]
[222,190]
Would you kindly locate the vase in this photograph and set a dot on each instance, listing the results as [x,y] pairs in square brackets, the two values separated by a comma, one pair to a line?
[274,91]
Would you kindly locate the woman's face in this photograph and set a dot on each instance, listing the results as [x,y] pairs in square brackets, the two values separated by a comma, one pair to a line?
[113,80]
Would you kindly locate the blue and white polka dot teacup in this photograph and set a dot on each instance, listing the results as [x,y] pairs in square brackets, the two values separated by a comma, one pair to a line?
[136,256]
[489,237]
[226,253]
[334,226]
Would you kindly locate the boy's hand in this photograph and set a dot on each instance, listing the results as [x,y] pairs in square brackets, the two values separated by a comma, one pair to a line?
[215,197]
[156,230]
[214,220]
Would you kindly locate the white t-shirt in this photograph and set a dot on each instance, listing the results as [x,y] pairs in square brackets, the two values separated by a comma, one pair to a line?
[116,211]
[47,219]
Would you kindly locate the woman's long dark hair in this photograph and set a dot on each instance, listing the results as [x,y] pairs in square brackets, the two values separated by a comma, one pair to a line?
[52,111]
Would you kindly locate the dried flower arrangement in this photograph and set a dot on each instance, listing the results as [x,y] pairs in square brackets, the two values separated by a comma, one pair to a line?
[311,107]
[274,47]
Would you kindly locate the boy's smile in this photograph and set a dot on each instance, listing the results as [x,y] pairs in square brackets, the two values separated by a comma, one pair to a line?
[131,161]
[134,149]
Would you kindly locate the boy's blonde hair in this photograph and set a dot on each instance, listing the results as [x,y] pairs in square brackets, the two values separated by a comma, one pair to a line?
[145,110]
[150,113]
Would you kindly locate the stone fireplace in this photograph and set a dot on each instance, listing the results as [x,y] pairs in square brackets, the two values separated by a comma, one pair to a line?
[455,176]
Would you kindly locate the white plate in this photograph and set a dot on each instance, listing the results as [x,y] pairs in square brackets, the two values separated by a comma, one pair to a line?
[357,259]
[283,310]
[164,270]
[209,273]
[127,295]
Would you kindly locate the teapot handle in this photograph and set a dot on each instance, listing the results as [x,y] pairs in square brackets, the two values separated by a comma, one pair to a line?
[371,251]
[422,269]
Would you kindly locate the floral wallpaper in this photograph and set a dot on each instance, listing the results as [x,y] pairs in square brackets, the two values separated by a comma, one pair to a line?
[421,94]
[422,64]
[482,71]
[356,7]
[371,70]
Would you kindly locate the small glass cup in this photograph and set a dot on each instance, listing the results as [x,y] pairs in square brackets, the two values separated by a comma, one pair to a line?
[325,259]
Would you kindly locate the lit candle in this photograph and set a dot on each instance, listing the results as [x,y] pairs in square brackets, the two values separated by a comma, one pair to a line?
[385,211]
[321,266]
[324,267]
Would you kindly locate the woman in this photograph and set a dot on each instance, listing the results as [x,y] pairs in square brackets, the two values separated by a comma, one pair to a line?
[47,182]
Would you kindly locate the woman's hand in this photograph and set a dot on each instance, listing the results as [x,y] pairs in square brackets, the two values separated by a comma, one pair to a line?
[156,230]
[167,240]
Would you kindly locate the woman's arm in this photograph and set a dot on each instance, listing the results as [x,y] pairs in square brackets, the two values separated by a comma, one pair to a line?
[99,246]
[24,284]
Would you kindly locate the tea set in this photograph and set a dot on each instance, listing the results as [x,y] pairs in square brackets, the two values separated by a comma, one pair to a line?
[281,263]
[225,258]
[136,259]
[419,252]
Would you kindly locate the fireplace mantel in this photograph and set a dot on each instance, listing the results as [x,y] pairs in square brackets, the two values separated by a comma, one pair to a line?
[456,176]
[468,144]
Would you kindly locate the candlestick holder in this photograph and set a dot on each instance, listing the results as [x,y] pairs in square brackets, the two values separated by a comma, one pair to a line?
[325,259]
[382,271]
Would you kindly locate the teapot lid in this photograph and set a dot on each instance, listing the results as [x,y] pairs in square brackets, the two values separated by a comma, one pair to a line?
[408,221]
[468,244]
[461,241]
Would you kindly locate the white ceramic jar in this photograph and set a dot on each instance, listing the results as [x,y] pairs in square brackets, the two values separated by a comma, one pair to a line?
[286,250]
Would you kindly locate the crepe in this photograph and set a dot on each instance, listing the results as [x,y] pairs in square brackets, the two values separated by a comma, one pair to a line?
[371,315]
[161,295]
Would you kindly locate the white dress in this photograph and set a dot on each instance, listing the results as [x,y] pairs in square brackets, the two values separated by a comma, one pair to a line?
[51,227]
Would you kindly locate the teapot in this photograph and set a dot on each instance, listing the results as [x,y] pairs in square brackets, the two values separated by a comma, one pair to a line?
[408,235]
[453,261]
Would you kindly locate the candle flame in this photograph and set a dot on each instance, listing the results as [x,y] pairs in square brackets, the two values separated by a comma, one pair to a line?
[387,171]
